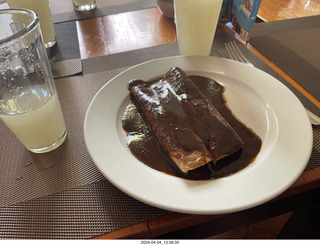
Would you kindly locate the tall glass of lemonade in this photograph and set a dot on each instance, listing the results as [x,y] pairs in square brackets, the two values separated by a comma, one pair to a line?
[29,103]
[196,23]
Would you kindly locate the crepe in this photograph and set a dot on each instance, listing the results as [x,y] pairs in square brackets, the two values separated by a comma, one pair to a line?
[187,127]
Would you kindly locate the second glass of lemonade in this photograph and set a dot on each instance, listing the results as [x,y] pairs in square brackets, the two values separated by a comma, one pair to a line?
[42,9]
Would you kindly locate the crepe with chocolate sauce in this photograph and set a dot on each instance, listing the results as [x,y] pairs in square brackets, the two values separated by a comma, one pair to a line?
[187,127]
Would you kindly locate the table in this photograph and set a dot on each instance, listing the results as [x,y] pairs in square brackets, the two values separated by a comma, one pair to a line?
[128,33]
[287,9]
[171,222]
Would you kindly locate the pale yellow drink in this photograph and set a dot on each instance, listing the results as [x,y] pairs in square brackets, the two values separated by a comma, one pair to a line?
[40,128]
[84,5]
[41,7]
[196,23]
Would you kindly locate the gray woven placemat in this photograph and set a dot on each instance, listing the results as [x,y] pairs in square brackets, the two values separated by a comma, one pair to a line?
[66,68]
[64,56]
[78,213]
[63,10]
[258,63]
[315,155]
[130,58]
[293,45]
[25,175]
[62,194]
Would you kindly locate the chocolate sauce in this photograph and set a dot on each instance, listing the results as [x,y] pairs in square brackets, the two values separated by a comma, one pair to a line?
[145,148]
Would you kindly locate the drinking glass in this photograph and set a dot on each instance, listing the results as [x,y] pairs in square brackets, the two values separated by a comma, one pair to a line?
[29,103]
[42,8]
[84,5]
[196,23]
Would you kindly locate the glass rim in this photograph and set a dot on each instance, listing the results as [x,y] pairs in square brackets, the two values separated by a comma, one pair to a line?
[33,23]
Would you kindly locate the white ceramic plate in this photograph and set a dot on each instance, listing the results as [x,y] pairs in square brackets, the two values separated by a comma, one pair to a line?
[259,100]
